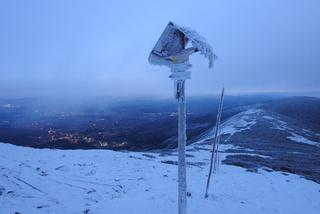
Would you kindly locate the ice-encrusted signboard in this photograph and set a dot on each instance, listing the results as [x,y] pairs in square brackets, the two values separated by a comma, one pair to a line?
[170,48]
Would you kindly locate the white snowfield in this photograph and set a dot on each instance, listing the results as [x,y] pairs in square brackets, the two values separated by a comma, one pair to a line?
[238,123]
[301,139]
[283,126]
[101,181]
[109,182]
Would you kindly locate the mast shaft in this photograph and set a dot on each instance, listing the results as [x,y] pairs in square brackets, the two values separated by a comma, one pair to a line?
[182,177]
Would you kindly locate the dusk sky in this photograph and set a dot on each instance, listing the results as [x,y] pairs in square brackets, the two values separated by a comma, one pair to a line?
[100,48]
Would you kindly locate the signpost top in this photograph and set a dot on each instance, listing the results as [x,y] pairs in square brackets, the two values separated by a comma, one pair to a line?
[171,46]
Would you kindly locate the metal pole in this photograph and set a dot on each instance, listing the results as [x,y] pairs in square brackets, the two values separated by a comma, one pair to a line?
[215,142]
[179,75]
[182,181]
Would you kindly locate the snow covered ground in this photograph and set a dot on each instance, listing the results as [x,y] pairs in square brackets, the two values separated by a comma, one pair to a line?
[301,139]
[102,181]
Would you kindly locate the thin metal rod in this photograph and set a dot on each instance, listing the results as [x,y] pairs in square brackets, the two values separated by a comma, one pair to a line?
[215,142]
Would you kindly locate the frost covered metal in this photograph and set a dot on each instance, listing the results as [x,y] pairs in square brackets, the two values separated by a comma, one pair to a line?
[170,47]
[215,145]
[171,51]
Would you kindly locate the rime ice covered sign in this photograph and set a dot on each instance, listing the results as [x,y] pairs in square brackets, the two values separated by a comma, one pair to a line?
[171,46]
[171,51]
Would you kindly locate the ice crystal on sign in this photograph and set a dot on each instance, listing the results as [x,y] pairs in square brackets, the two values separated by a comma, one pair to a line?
[171,46]
[200,43]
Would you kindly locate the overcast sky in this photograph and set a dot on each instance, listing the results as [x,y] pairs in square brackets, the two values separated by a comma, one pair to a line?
[101,47]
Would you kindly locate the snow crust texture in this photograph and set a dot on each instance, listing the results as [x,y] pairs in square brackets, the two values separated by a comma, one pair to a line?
[56,181]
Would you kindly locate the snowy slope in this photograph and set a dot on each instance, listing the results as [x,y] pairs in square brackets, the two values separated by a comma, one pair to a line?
[264,139]
[101,181]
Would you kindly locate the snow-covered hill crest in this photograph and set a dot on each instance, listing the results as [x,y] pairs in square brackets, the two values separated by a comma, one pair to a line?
[101,181]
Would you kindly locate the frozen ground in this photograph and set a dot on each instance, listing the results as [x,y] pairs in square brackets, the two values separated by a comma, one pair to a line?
[301,139]
[55,181]
[102,181]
